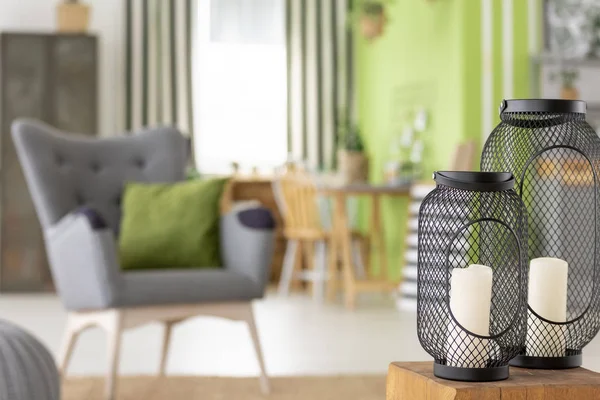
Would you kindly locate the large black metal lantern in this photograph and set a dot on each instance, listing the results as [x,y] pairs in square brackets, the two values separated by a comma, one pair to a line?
[554,155]
[472,275]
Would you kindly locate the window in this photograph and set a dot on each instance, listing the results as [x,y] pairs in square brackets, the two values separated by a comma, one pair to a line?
[240,85]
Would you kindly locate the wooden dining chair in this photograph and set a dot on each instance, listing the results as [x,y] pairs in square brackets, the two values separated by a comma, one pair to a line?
[464,156]
[309,240]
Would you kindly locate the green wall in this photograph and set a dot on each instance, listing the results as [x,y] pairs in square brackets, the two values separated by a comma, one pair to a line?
[429,57]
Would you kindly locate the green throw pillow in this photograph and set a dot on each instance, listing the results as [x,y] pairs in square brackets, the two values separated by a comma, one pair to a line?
[171,225]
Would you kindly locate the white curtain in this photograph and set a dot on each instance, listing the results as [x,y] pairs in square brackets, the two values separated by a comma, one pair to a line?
[240,85]
[320,77]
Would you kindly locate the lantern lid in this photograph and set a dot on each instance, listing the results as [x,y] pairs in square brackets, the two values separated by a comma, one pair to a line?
[476,181]
[543,105]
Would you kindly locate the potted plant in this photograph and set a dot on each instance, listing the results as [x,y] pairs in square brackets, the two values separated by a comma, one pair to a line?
[72,16]
[568,77]
[353,164]
[372,18]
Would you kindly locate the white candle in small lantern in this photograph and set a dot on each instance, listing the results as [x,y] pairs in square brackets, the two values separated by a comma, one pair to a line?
[548,298]
[470,302]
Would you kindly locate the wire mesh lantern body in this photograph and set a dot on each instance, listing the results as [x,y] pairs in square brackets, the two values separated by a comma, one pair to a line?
[555,158]
[472,278]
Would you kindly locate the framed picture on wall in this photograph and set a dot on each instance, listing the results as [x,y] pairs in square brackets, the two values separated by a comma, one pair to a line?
[571,28]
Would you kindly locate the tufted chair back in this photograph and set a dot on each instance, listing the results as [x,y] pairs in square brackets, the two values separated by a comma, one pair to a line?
[65,172]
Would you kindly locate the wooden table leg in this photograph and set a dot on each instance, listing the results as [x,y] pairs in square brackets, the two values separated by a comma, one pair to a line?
[344,241]
[379,236]
[332,264]
[365,253]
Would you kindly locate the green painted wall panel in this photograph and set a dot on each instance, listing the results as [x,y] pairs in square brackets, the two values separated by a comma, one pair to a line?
[430,57]
[521,50]
[471,77]
[497,58]
[416,62]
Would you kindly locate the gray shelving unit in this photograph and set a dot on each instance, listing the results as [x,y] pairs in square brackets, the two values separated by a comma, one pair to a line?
[52,78]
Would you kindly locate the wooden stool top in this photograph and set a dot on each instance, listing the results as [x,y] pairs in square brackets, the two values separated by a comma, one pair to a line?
[415,381]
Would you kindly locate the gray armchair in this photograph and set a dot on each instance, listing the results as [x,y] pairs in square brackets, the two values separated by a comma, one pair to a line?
[76,185]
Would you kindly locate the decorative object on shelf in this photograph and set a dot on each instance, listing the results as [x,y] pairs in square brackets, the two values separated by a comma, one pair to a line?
[372,18]
[353,163]
[27,369]
[568,76]
[554,155]
[472,282]
[72,16]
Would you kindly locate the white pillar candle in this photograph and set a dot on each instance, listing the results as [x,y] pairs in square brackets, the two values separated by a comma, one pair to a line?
[470,302]
[548,298]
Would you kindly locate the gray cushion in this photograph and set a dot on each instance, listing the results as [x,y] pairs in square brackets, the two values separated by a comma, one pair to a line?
[27,370]
[186,286]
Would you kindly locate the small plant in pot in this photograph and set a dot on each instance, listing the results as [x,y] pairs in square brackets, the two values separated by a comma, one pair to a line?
[372,18]
[568,77]
[353,164]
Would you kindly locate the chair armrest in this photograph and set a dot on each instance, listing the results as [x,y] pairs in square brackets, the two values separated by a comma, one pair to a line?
[247,243]
[84,261]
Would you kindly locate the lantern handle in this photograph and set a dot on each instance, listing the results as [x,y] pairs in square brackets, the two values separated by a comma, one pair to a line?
[503,105]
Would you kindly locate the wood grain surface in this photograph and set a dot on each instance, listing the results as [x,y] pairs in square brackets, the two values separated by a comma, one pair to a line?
[415,381]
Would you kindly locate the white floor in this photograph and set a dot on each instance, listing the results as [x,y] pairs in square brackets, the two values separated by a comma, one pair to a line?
[299,337]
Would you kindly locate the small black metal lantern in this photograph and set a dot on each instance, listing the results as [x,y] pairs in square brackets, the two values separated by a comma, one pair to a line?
[472,330]
[554,155]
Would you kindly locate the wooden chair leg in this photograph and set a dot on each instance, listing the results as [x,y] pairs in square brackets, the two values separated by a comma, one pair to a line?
[332,269]
[264,380]
[320,271]
[166,342]
[299,261]
[113,327]
[68,343]
[360,270]
[288,268]
[345,247]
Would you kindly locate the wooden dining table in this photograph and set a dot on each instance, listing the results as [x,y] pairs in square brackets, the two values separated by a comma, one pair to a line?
[342,240]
